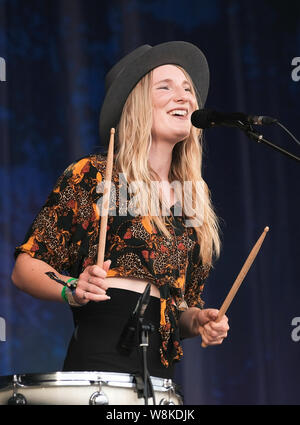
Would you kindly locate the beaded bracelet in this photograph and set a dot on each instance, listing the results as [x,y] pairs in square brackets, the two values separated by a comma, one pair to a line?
[69,287]
[68,297]
[72,283]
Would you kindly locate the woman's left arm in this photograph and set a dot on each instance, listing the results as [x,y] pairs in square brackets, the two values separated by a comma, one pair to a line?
[202,322]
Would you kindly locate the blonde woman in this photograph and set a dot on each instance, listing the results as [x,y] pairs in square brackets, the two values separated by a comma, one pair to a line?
[161,228]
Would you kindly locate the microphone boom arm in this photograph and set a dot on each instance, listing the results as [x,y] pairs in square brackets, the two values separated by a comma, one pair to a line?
[259,138]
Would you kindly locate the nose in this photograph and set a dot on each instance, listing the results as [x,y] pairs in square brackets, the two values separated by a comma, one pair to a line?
[180,94]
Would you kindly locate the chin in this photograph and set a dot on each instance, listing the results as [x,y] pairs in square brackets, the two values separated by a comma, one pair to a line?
[180,136]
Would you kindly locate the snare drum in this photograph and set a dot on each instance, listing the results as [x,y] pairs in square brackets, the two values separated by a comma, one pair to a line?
[74,388]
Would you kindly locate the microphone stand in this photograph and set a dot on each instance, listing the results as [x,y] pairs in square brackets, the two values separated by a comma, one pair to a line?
[145,329]
[136,334]
[259,138]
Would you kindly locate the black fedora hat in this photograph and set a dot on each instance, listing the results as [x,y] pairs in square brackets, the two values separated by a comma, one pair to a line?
[126,73]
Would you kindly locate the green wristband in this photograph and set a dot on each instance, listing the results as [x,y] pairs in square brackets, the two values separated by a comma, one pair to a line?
[63,294]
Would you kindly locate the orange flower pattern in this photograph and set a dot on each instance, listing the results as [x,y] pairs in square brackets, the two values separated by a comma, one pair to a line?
[65,235]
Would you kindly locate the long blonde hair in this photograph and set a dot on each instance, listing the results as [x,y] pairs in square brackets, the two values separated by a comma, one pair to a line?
[134,141]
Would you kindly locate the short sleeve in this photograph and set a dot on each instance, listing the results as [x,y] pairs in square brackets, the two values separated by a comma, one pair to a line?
[196,276]
[65,220]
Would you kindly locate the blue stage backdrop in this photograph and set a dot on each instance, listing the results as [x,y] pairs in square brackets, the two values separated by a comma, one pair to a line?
[55,54]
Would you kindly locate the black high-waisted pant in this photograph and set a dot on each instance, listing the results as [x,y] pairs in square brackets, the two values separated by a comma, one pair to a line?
[98,326]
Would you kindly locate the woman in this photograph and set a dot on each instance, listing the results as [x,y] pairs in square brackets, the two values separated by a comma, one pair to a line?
[150,95]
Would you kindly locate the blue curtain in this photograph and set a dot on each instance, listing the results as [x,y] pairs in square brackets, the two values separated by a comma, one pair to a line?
[55,55]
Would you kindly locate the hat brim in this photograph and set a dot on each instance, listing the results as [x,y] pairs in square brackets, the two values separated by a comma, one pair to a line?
[181,53]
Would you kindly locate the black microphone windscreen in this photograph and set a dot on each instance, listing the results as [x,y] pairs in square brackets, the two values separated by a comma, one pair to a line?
[202,118]
[205,118]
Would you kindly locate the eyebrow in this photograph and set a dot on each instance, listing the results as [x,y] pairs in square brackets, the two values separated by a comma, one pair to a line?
[168,80]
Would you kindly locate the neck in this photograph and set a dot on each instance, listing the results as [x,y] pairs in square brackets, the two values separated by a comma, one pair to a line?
[160,158]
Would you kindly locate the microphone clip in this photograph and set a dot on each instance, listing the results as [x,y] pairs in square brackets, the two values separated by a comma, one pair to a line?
[259,138]
[131,331]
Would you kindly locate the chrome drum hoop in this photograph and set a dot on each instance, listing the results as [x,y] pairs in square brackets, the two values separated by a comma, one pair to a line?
[102,387]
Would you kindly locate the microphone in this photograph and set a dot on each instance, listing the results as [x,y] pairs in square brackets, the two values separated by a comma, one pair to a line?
[206,118]
[128,340]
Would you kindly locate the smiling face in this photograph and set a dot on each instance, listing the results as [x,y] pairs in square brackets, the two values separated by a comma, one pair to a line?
[173,102]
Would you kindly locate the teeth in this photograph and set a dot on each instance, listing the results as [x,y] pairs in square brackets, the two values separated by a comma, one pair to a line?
[180,112]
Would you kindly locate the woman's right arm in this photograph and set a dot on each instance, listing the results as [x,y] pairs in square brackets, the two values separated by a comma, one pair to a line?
[29,276]
[68,215]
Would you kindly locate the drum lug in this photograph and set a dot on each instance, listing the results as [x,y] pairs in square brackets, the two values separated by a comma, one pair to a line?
[168,384]
[98,398]
[16,398]
[166,402]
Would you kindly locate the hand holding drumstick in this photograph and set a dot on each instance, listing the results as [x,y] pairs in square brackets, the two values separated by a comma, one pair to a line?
[214,323]
[91,284]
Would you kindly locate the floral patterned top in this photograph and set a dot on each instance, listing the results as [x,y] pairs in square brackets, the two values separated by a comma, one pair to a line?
[65,235]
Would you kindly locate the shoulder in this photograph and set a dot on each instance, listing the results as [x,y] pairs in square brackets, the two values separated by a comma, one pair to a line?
[86,166]
[84,172]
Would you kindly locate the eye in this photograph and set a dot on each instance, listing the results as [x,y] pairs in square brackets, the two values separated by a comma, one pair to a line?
[163,88]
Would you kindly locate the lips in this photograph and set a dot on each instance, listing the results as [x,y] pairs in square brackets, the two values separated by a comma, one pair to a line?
[179,113]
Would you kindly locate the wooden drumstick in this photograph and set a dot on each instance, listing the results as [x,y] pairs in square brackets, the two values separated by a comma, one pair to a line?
[105,199]
[240,277]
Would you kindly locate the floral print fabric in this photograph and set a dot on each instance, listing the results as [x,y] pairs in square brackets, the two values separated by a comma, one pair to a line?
[65,235]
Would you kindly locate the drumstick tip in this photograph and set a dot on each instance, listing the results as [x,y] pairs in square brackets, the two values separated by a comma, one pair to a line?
[266,229]
[112,131]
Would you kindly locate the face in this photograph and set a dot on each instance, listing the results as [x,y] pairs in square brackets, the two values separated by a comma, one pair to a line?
[173,104]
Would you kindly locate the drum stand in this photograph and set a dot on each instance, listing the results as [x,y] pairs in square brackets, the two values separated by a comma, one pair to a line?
[144,384]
